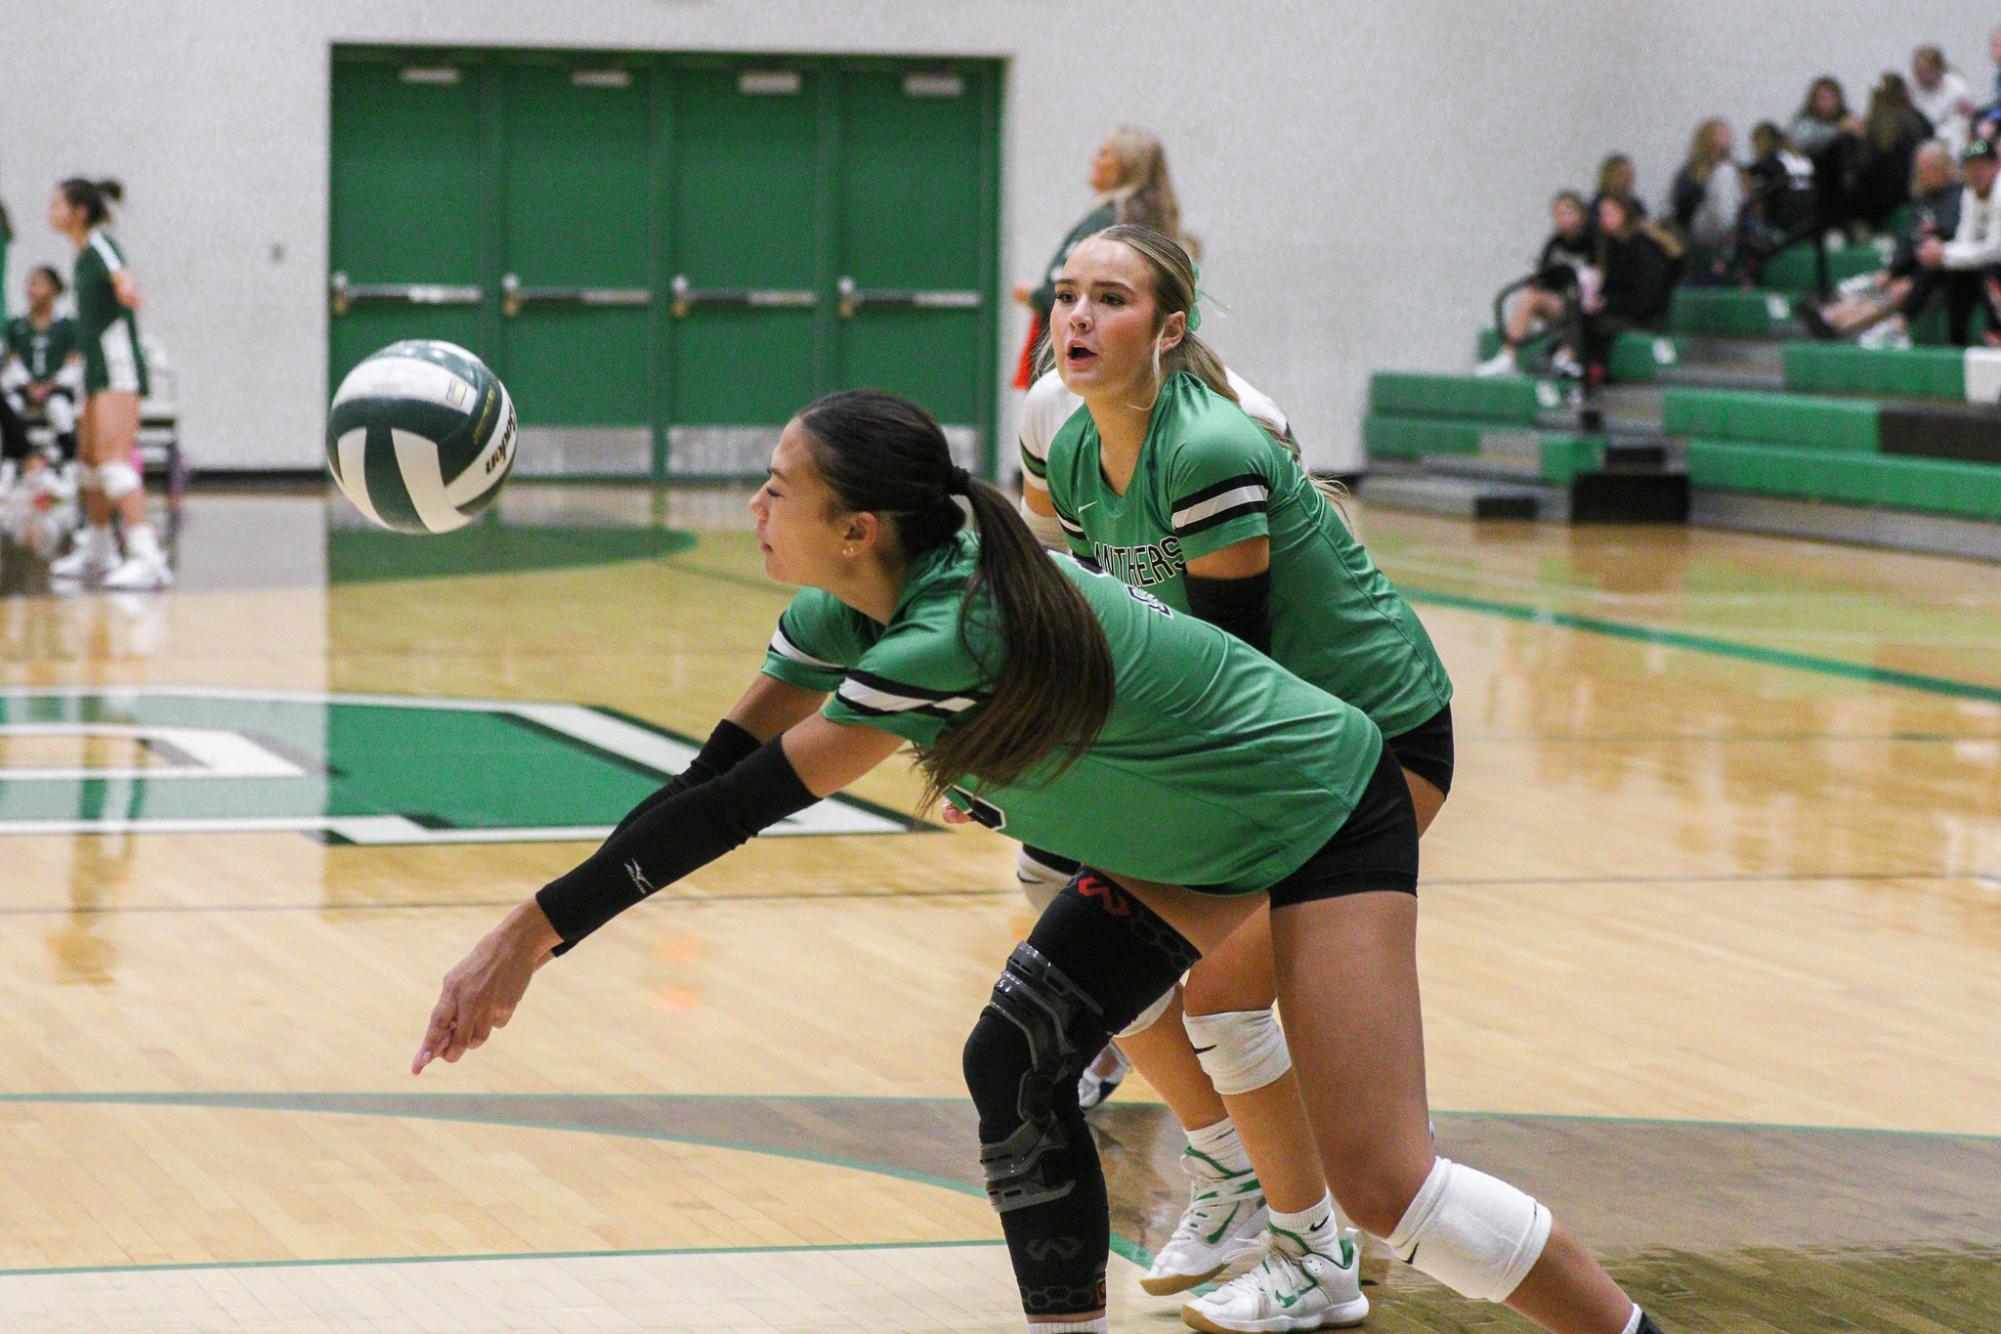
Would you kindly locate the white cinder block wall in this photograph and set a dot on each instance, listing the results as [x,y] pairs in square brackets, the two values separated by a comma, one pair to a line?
[1363,174]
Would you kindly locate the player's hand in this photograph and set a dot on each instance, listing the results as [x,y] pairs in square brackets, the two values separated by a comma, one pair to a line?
[1931,252]
[1022,295]
[951,814]
[480,994]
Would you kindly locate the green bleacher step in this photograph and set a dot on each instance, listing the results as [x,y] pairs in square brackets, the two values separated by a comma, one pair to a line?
[1792,270]
[1844,425]
[1465,397]
[1635,356]
[1730,310]
[1966,490]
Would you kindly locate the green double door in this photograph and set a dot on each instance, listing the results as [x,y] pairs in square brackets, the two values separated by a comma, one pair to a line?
[663,257]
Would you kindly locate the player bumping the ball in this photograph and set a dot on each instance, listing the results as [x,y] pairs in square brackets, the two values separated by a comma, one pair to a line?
[1143,453]
[1055,703]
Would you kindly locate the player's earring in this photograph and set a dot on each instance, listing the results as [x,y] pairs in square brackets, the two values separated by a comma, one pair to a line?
[848,551]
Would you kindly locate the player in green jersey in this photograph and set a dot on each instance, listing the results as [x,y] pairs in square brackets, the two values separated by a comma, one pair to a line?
[114,382]
[1163,479]
[41,371]
[1055,703]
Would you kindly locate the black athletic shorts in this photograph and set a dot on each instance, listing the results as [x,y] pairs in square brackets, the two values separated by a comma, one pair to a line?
[1375,847]
[1426,750]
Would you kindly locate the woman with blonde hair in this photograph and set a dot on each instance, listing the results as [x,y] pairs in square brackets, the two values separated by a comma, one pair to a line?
[1129,174]
[1709,188]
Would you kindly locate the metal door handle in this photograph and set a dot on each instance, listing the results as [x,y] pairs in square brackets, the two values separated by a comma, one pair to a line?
[854,297]
[345,294]
[513,295]
[687,296]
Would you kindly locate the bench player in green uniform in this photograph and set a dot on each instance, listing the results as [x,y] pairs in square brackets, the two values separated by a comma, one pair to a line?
[1089,718]
[1168,485]
[43,369]
[114,382]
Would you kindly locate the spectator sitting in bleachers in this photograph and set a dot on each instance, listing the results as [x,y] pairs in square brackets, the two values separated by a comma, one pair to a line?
[1637,281]
[1870,302]
[1891,134]
[1828,135]
[1707,194]
[1942,95]
[1963,265]
[1547,298]
[41,375]
[1616,180]
[1780,209]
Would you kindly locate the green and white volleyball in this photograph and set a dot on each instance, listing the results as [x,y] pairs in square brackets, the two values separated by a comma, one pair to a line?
[421,436]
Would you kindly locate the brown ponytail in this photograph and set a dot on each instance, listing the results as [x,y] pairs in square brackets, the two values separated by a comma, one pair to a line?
[1053,688]
[95,198]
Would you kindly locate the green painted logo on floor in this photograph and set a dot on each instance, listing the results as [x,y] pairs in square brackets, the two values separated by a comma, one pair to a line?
[372,769]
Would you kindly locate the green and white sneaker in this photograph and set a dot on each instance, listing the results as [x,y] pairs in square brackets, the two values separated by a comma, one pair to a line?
[1221,1226]
[1291,1288]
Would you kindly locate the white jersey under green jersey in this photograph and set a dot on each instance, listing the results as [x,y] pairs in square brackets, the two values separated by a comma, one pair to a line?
[1209,477]
[1217,769]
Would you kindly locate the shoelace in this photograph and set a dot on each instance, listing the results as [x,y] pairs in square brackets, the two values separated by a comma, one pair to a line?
[1195,1220]
[1277,1273]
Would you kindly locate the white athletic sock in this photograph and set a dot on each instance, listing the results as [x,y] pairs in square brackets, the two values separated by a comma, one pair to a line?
[1316,1226]
[1219,1144]
[97,540]
[1633,1325]
[1102,1325]
[139,541]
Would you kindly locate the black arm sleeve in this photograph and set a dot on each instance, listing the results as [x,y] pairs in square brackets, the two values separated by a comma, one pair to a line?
[1241,606]
[727,747]
[674,837]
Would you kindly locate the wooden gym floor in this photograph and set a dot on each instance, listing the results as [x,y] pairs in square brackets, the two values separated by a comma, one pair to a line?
[1712,942]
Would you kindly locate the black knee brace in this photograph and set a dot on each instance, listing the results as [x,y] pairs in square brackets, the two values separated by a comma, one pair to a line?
[1032,1041]
[1096,958]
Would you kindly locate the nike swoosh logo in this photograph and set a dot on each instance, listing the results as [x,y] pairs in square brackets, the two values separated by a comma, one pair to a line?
[1217,1235]
[1086,505]
[1322,1223]
[1200,1050]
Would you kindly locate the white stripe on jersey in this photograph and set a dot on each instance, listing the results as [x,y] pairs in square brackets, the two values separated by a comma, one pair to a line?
[883,701]
[790,651]
[106,251]
[1070,525]
[1251,493]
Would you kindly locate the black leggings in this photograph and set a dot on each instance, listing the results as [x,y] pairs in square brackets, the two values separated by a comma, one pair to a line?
[1120,957]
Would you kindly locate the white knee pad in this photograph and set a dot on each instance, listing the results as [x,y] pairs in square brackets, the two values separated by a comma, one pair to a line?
[1242,1050]
[1040,882]
[117,480]
[1476,1234]
[1151,1015]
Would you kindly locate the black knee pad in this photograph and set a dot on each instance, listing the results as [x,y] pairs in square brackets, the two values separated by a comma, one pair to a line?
[1022,1062]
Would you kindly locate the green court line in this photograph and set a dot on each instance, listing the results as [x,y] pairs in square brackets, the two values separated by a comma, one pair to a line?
[276,1101]
[351,1261]
[1725,648]
[1645,634]
[303,1103]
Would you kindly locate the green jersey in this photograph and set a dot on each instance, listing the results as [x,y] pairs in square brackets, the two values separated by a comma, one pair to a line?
[1216,769]
[97,303]
[42,351]
[1209,477]
[107,328]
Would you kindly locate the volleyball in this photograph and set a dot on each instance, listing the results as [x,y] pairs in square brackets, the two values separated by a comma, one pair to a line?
[421,436]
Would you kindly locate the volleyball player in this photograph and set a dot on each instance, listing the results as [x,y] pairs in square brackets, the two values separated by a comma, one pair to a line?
[114,382]
[1168,482]
[43,370]
[1092,719]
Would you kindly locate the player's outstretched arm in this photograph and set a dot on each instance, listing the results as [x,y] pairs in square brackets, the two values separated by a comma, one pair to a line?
[766,709]
[656,846]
